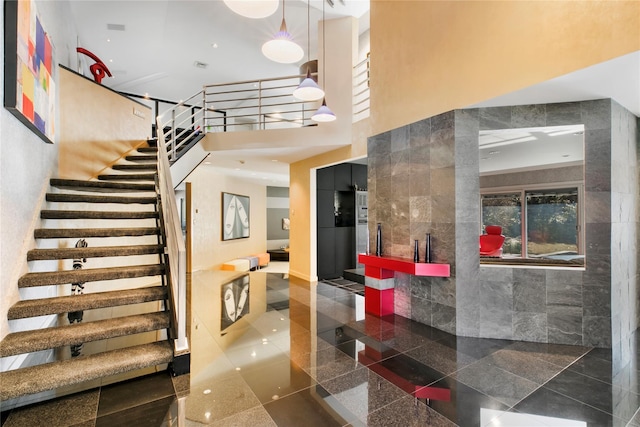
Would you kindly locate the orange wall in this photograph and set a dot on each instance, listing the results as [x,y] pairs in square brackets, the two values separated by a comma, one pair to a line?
[92,115]
[428,57]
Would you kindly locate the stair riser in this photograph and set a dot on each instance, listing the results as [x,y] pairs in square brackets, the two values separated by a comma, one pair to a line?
[127,177]
[100,185]
[79,198]
[43,233]
[97,215]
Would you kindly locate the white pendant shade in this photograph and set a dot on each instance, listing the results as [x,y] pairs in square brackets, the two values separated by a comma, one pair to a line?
[308,90]
[282,48]
[255,9]
[324,114]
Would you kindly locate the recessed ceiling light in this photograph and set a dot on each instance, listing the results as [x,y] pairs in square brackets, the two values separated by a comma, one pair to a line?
[108,40]
[214,45]
[274,160]
[111,60]
[207,391]
[207,163]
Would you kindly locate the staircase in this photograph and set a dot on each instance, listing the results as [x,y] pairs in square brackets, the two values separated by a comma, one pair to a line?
[125,316]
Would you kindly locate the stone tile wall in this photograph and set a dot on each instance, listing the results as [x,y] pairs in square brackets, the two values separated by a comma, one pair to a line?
[625,234]
[424,177]
[411,193]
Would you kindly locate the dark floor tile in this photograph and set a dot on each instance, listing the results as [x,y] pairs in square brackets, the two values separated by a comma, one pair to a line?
[276,380]
[378,328]
[417,328]
[547,402]
[524,365]
[215,399]
[407,412]
[464,406]
[441,357]
[339,335]
[601,353]
[324,365]
[495,382]
[403,340]
[138,391]
[80,408]
[327,323]
[475,347]
[590,391]
[406,373]
[310,408]
[558,354]
[152,414]
[366,350]
[593,367]
[363,391]
[181,385]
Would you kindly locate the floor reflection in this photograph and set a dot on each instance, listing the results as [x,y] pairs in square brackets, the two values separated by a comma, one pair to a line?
[271,350]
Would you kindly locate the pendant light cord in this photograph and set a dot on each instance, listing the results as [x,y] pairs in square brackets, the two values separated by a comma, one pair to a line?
[324,49]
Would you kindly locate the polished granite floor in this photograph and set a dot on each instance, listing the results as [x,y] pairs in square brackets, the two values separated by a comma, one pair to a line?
[269,351]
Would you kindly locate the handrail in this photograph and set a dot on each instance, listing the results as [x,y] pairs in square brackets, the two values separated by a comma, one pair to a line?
[175,251]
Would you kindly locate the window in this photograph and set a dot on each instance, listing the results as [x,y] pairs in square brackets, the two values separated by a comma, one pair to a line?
[536,223]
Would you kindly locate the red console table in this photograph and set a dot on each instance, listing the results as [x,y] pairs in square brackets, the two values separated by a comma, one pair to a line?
[380,267]
[378,293]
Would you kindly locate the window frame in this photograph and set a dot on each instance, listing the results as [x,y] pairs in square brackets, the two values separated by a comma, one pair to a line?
[523,189]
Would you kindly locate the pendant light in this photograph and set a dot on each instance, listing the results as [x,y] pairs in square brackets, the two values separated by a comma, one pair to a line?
[255,9]
[308,90]
[282,48]
[324,114]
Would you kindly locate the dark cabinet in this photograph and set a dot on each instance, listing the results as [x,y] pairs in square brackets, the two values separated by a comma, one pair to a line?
[336,217]
[325,179]
[343,177]
[359,176]
[326,213]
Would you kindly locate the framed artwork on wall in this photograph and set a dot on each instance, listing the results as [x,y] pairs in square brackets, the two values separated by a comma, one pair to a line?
[29,69]
[235,216]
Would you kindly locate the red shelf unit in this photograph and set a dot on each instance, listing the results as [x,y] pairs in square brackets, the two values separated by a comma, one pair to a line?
[383,267]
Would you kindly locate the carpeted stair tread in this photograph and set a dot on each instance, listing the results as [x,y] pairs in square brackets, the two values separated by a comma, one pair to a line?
[93,252]
[57,305]
[100,186]
[135,166]
[62,233]
[52,375]
[77,333]
[57,214]
[147,149]
[127,177]
[88,275]
[90,198]
[142,158]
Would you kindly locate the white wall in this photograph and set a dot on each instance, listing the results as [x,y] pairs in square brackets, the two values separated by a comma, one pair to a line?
[26,163]
[209,251]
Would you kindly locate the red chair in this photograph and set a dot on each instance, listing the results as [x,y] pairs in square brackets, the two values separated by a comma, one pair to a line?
[491,243]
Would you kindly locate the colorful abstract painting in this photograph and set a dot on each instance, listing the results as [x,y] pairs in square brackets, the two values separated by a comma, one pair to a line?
[29,68]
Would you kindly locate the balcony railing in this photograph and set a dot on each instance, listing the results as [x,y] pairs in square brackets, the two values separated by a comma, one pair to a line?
[361,90]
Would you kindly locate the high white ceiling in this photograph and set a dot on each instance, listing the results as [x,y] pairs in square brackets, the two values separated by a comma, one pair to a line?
[151,47]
